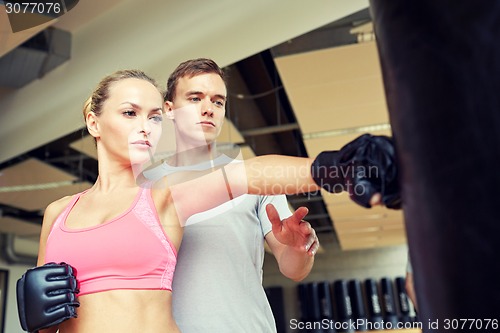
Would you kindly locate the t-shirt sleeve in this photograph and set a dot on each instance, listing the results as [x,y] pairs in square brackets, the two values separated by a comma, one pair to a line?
[281,204]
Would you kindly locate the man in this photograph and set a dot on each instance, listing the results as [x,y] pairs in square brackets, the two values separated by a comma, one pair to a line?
[218,280]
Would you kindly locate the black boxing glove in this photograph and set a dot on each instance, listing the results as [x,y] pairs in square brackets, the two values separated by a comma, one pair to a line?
[46,296]
[363,167]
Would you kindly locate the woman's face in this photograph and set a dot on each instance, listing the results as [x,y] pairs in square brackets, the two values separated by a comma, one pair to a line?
[129,126]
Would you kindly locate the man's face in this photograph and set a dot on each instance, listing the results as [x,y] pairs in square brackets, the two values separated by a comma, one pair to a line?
[198,109]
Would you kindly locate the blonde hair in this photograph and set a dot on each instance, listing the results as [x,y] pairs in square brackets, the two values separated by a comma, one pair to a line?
[101,93]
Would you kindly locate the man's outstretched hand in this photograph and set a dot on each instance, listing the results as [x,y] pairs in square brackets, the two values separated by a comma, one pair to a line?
[294,231]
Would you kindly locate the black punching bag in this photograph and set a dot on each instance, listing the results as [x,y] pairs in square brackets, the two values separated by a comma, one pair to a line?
[441,70]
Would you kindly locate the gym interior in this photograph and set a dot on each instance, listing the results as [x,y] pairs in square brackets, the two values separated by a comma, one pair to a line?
[304,77]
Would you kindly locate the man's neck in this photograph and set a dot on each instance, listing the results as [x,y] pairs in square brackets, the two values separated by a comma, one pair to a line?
[195,155]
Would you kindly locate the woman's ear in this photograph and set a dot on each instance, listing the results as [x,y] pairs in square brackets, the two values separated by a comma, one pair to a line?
[169,110]
[92,124]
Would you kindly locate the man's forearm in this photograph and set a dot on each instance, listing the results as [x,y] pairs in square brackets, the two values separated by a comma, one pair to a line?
[295,264]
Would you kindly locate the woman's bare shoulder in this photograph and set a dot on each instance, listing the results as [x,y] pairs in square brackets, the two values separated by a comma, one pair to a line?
[58,205]
[54,209]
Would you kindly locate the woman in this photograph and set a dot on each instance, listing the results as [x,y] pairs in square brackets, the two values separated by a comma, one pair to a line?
[124,116]
[122,237]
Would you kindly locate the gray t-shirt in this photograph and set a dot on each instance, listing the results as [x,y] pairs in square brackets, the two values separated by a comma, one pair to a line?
[217,285]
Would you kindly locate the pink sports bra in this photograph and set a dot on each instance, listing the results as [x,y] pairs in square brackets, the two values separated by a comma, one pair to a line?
[130,251]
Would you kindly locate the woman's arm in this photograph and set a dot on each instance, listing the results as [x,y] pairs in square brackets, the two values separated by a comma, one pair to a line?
[194,192]
[277,174]
[50,215]
[365,167]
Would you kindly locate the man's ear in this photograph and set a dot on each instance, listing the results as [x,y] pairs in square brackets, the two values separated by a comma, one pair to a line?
[169,110]
[92,124]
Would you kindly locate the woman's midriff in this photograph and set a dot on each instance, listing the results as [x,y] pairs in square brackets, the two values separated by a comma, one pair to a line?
[145,311]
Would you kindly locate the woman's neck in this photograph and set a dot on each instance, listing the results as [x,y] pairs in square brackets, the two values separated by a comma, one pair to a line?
[113,175]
